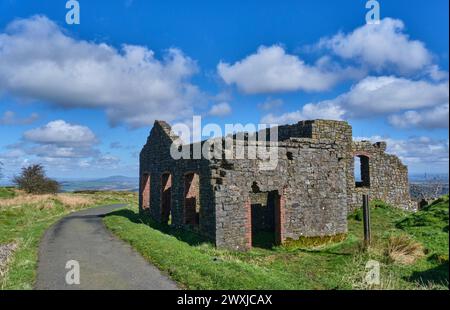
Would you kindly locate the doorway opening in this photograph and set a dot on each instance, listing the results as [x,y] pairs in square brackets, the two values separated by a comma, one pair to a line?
[265,209]
[145,191]
[166,198]
[192,199]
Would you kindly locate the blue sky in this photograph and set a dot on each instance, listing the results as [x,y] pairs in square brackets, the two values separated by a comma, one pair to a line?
[81,99]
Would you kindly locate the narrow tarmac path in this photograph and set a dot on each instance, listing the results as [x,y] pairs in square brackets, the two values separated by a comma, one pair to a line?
[105,262]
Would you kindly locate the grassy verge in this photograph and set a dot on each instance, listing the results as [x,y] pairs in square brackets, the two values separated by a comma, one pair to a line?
[24,219]
[196,264]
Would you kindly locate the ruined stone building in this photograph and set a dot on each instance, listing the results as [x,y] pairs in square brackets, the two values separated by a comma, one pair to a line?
[309,192]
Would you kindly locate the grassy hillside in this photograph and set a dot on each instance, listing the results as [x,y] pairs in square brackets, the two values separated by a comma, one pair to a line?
[430,226]
[24,219]
[408,255]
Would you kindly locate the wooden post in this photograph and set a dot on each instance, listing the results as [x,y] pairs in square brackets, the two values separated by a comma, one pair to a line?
[366,219]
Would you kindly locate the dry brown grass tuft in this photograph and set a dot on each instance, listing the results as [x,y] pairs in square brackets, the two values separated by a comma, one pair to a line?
[313,242]
[74,200]
[25,199]
[403,249]
[47,201]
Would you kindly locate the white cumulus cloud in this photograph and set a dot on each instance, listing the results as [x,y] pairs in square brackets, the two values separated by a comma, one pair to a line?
[418,153]
[220,109]
[60,132]
[323,110]
[428,118]
[271,70]
[385,94]
[379,96]
[381,46]
[39,61]
[59,139]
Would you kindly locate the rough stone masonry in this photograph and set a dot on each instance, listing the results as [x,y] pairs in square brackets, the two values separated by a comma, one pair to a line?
[236,205]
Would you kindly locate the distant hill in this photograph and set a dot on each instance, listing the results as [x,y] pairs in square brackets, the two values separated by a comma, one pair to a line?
[428,185]
[112,183]
[117,178]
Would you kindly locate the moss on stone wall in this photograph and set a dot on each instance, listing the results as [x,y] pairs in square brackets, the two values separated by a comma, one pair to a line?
[312,242]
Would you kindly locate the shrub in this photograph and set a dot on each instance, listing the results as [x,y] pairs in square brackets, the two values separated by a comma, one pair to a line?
[356,215]
[376,203]
[33,180]
[403,249]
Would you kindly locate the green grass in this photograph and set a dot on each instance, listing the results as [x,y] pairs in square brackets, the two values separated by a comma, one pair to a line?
[338,263]
[25,224]
[7,192]
[430,226]
[196,264]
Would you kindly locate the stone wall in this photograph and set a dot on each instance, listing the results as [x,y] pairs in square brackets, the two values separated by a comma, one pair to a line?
[388,177]
[311,188]
[155,160]
[308,193]
[337,131]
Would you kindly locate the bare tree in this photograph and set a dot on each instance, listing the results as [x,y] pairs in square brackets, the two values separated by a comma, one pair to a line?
[33,180]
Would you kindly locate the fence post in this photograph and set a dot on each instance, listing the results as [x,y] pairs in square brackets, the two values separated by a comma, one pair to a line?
[366,219]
